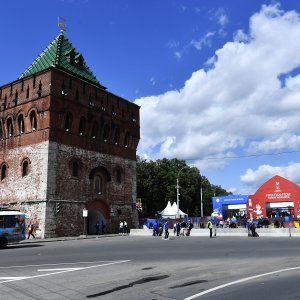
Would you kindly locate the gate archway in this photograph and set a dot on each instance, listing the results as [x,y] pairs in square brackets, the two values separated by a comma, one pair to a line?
[98,211]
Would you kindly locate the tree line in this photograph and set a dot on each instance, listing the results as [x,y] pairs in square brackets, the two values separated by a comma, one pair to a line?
[156,185]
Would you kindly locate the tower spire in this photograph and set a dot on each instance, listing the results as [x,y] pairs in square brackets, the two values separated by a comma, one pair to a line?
[62,24]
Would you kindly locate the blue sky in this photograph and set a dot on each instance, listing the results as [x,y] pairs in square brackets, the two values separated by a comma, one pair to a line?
[217,81]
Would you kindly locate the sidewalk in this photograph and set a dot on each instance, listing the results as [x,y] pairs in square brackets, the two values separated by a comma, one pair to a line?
[66,238]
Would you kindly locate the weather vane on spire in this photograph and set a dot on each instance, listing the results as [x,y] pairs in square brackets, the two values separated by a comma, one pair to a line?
[62,24]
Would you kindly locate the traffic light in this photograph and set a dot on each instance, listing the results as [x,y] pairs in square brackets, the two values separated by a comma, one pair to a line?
[57,207]
[138,204]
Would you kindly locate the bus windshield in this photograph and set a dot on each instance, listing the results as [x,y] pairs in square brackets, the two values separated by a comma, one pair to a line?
[12,227]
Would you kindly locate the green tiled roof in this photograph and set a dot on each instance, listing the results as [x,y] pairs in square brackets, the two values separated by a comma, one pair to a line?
[62,55]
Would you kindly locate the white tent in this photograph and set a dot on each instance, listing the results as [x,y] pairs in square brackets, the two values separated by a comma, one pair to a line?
[171,211]
[167,210]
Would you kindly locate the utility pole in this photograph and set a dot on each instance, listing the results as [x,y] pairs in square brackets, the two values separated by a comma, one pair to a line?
[177,196]
[201,199]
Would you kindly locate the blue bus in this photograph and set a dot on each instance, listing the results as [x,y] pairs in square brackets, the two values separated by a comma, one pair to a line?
[12,227]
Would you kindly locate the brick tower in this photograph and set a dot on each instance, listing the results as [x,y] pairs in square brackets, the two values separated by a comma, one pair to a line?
[67,144]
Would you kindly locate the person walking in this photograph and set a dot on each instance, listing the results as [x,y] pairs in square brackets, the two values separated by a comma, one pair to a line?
[121,226]
[97,226]
[178,228]
[174,228]
[253,230]
[166,228]
[103,226]
[30,227]
[189,228]
[184,228]
[125,227]
[210,227]
[155,229]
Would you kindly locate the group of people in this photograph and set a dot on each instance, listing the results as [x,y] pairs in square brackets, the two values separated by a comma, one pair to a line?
[183,228]
[158,229]
[180,229]
[161,230]
[123,228]
[98,227]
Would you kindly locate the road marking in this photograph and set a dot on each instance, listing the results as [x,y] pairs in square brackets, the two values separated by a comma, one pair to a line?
[239,281]
[8,278]
[59,264]
[59,269]
[65,271]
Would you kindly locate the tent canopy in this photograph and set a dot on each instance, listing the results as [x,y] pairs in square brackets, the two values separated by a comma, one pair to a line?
[171,211]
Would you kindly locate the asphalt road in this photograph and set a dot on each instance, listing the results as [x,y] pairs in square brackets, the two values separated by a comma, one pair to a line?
[152,269]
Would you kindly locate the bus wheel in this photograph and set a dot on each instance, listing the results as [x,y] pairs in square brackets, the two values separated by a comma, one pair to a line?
[3,242]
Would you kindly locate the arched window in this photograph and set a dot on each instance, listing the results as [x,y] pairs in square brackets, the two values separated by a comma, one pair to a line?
[10,128]
[27,92]
[126,140]
[70,83]
[5,102]
[75,168]
[33,121]
[105,133]
[94,130]
[113,111]
[63,90]
[39,92]
[116,137]
[68,122]
[16,97]
[76,95]
[98,185]
[82,123]
[3,171]
[25,168]
[21,124]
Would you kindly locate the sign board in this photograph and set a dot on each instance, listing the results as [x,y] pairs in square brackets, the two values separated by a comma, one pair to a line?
[85,213]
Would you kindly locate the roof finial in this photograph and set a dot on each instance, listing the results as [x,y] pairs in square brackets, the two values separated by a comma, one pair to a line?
[62,24]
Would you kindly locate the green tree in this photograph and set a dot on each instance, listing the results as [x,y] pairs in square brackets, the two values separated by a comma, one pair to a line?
[156,185]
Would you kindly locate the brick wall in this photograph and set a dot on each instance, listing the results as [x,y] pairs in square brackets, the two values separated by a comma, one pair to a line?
[50,150]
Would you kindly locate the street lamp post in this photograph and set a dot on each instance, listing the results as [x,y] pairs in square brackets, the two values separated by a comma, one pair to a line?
[201,200]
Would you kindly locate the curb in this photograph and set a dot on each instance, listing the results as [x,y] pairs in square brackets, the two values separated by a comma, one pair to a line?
[65,238]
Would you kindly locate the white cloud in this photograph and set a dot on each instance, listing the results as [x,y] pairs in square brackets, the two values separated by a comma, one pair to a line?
[204,41]
[178,54]
[241,36]
[152,80]
[222,20]
[239,103]
[198,44]
[210,61]
[255,178]
[173,44]
[278,143]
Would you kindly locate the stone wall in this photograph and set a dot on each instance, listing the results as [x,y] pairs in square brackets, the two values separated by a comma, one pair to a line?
[15,188]
[76,193]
